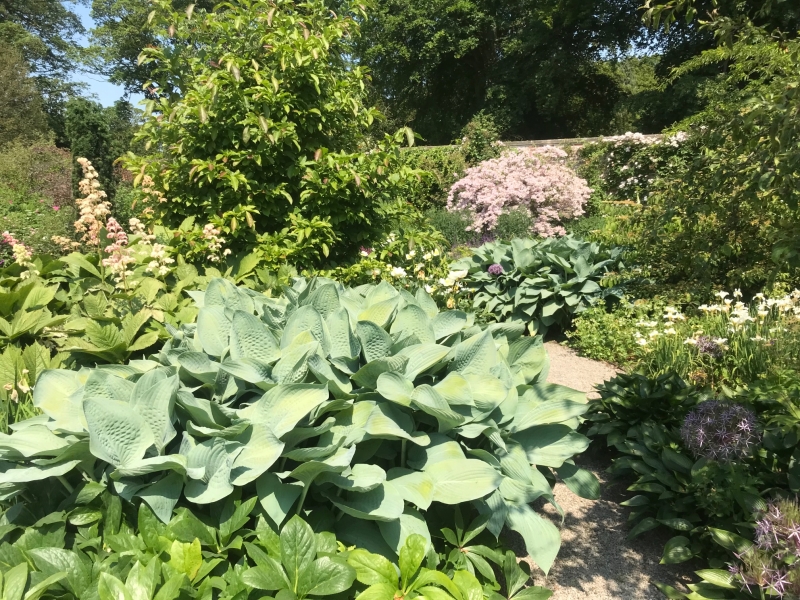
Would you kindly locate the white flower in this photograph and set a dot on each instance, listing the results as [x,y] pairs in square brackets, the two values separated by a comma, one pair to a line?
[411,255]
[670,331]
[654,334]
[691,341]
[737,293]
[429,288]
[398,272]
[641,342]
[720,341]
[456,275]
[427,256]
[364,253]
[722,294]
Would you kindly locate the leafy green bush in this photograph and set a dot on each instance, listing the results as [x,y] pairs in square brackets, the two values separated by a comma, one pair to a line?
[259,116]
[538,283]
[709,503]
[441,167]
[99,547]
[35,194]
[361,407]
[453,225]
[607,335]
[480,139]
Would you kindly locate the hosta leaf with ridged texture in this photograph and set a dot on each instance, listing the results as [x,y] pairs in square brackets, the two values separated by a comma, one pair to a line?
[389,422]
[367,376]
[527,358]
[293,365]
[455,389]
[382,503]
[213,330]
[118,434]
[395,387]
[325,299]
[551,411]
[475,355]
[428,400]
[375,342]
[59,395]
[305,319]
[426,303]
[381,313]
[343,340]
[284,406]
[422,357]
[250,338]
[259,452]
[412,320]
[551,445]
[461,480]
[212,460]
[448,323]
[154,399]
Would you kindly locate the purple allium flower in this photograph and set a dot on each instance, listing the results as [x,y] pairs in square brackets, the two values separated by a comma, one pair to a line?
[495,269]
[705,345]
[721,431]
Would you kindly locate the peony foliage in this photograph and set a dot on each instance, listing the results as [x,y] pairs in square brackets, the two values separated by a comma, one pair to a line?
[359,408]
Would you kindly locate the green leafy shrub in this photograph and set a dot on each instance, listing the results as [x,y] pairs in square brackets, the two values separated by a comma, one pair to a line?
[35,195]
[259,116]
[480,139]
[538,283]
[440,166]
[97,546]
[709,504]
[453,225]
[607,335]
[359,407]
[730,217]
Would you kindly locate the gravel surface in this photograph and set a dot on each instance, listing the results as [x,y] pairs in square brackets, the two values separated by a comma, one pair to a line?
[596,560]
[577,372]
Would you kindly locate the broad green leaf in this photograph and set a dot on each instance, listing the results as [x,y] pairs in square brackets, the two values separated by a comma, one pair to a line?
[412,320]
[305,319]
[375,342]
[327,576]
[372,568]
[58,394]
[676,550]
[457,481]
[475,355]
[275,497]
[447,323]
[259,452]
[213,329]
[186,558]
[284,406]
[251,339]
[542,538]
[395,387]
[381,503]
[410,522]
[411,555]
[298,549]
[580,481]
[111,588]
[551,445]
[117,433]
[343,340]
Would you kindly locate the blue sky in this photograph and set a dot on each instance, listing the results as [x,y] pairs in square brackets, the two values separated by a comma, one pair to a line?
[106,93]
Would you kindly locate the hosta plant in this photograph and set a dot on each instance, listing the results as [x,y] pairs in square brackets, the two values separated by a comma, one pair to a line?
[540,283]
[359,408]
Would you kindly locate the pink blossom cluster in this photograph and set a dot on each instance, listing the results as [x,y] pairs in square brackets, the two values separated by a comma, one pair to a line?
[533,179]
[119,254]
[212,235]
[93,206]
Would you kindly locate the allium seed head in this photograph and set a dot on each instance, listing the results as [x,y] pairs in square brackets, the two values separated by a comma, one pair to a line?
[721,431]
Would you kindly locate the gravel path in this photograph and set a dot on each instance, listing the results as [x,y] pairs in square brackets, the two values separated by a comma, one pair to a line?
[596,560]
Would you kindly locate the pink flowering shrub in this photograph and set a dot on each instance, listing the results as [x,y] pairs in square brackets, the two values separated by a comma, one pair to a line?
[536,180]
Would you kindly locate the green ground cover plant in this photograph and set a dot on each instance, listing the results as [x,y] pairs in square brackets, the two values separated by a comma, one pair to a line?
[361,407]
[537,283]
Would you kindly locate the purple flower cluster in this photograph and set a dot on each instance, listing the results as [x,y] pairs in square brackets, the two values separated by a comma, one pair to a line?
[721,431]
[705,345]
[773,563]
[495,269]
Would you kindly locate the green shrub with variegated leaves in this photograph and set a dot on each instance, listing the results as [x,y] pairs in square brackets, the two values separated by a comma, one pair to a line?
[358,409]
[539,283]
